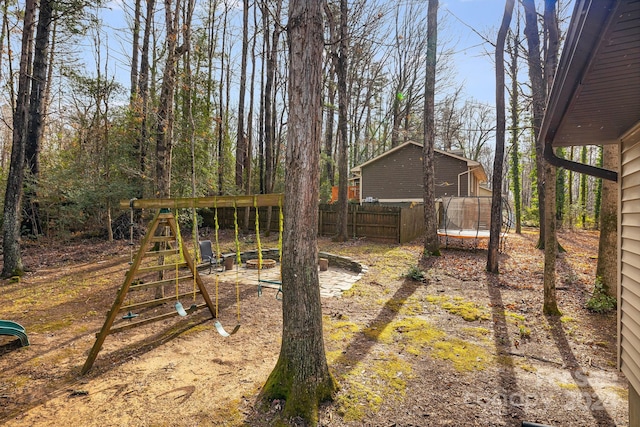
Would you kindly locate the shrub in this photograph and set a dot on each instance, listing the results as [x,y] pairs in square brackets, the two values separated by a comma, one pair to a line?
[601,301]
[415,273]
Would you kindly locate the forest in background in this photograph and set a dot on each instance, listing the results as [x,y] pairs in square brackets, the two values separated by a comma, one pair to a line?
[205,108]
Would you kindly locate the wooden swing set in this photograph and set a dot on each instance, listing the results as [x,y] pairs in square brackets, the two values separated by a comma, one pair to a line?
[163,253]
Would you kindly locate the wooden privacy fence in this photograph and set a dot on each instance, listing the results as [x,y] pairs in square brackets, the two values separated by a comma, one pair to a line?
[386,223]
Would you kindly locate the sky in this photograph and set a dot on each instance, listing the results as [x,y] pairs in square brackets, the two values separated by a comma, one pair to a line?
[474,66]
[462,25]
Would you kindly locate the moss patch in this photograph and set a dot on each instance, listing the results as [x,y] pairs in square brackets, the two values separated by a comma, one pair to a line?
[413,331]
[410,306]
[527,367]
[623,393]
[464,355]
[568,386]
[333,356]
[468,310]
[54,325]
[476,332]
[514,317]
[387,381]
[342,330]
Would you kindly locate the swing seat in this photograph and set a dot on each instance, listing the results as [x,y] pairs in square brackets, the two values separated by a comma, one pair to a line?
[130,315]
[180,309]
[7,327]
[224,333]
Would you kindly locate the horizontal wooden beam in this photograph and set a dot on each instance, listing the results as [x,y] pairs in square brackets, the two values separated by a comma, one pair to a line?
[206,202]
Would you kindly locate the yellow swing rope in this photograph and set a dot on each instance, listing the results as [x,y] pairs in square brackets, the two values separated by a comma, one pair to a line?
[255,205]
[280,229]
[181,254]
[217,324]
[196,252]
[217,254]
[238,258]
[179,308]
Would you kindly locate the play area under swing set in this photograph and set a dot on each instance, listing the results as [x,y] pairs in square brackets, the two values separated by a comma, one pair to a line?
[162,260]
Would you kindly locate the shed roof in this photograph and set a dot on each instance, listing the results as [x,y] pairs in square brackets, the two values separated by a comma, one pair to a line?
[478,169]
[595,97]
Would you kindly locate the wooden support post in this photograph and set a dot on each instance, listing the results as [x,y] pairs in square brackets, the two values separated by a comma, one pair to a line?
[167,219]
[122,293]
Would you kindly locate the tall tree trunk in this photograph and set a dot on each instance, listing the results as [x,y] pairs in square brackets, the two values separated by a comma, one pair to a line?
[431,244]
[39,83]
[262,115]
[583,190]
[515,129]
[241,143]
[343,105]
[395,114]
[329,123]
[550,306]
[570,190]
[598,197]
[221,117]
[135,48]
[329,127]
[164,127]
[13,194]
[498,162]
[143,81]
[270,146]
[249,157]
[538,93]
[607,267]
[4,31]
[301,375]
[269,101]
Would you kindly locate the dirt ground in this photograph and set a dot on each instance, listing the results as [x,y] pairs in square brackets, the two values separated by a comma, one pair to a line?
[461,348]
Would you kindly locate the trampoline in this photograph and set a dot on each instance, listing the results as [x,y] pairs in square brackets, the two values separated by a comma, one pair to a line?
[466,221]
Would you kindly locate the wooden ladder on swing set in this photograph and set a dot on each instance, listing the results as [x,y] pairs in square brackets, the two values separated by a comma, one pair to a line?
[165,246]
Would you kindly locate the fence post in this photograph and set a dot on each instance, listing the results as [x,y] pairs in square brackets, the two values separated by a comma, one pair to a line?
[355,216]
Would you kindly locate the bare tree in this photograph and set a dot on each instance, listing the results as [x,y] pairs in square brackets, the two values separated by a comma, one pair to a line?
[607,267]
[143,82]
[241,144]
[13,195]
[550,305]
[409,46]
[135,47]
[449,122]
[301,375]
[496,199]
[477,128]
[431,244]
[513,47]
[538,94]
[269,95]
[343,105]
[35,128]
[164,127]
[221,120]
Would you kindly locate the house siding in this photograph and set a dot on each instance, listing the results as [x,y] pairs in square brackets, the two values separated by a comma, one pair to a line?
[398,176]
[629,259]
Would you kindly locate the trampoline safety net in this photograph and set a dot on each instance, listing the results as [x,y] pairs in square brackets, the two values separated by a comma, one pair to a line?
[468,218]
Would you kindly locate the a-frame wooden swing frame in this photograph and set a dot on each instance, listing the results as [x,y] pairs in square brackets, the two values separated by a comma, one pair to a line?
[164,217]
